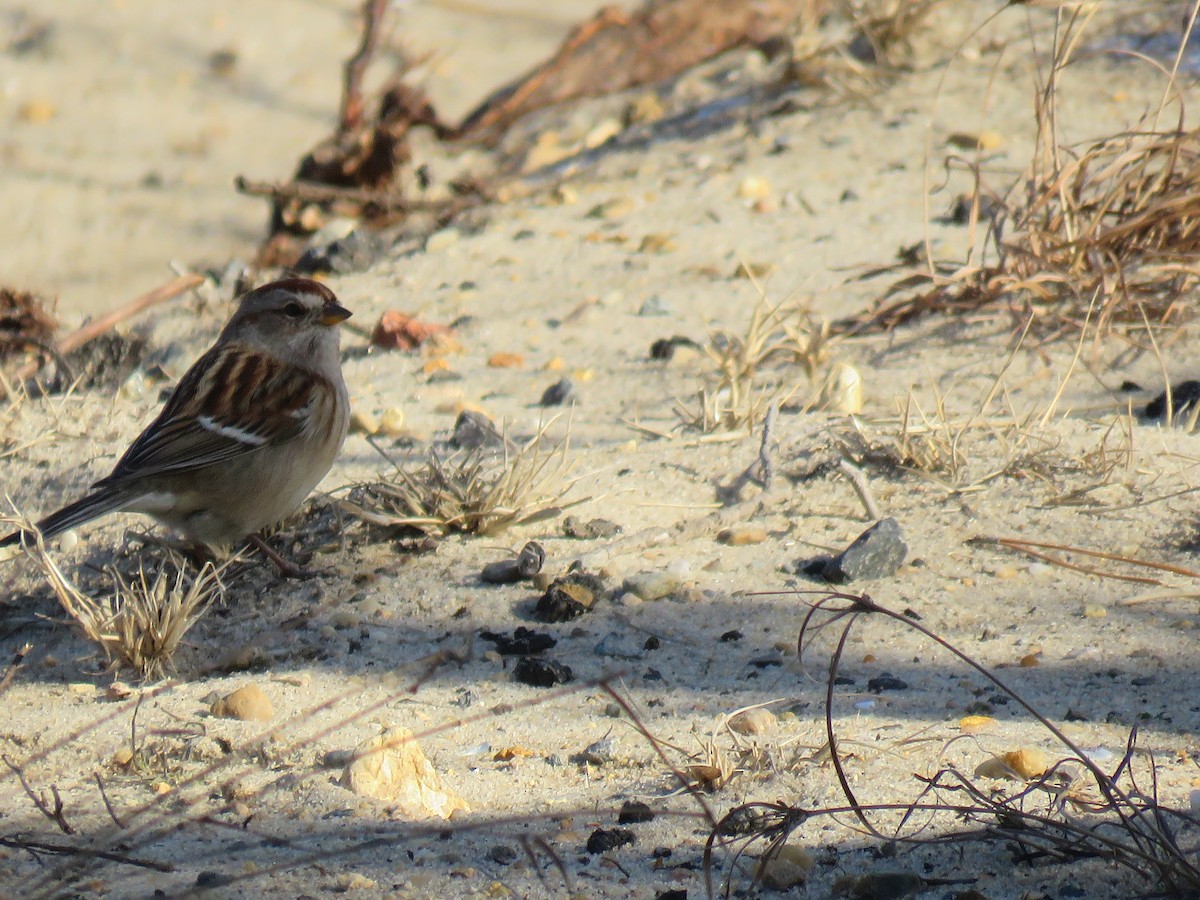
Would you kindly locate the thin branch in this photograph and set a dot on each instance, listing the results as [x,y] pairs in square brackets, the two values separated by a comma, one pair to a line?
[54,815]
[68,850]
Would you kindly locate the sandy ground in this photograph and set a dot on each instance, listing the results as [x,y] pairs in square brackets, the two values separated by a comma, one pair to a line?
[569,282]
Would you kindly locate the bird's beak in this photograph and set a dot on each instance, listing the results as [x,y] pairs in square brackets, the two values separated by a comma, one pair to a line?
[334,313]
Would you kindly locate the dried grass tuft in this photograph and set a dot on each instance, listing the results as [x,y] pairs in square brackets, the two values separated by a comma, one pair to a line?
[142,623]
[480,491]
[782,350]
[1117,220]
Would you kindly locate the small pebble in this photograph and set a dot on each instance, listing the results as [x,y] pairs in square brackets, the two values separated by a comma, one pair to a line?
[1025,763]
[658,243]
[353,881]
[654,306]
[506,361]
[440,240]
[472,430]
[743,535]
[886,681]
[786,868]
[599,753]
[644,108]
[652,585]
[634,812]
[618,645]
[753,721]
[603,840]
[502,855]
[391,423]
[616,208]
[504,571]
[603,132]
[36,112]
[393,768]
[118,690]
[842,391]
[559,393]
[754,188]
[247,703]
[976,724]
[563,601]
[543,673]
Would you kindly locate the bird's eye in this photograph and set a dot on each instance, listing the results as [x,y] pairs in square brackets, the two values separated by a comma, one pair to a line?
[293,310]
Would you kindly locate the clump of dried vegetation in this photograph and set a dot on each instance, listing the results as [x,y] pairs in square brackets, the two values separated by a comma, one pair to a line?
[1070,810]
[852,46]
[1114,225]
[479,491]
[783,349]
[142,622]
[965,449]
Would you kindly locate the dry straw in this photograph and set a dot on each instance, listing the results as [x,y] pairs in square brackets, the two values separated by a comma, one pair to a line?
[142,623]
[1117,219]
[782,349]
[479,491]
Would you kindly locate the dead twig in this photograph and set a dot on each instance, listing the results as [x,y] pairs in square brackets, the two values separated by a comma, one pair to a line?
[1031,547]
[858,480]
[55,815]
[86,852]
[93,329]
[112,813]
[14,666]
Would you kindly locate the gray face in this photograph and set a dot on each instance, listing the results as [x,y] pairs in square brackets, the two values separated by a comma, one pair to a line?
[295,316]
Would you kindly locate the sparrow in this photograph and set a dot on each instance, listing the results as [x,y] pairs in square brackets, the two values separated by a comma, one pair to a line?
[251,428]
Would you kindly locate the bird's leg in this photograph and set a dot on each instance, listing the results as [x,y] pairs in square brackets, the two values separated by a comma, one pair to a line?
[286,567]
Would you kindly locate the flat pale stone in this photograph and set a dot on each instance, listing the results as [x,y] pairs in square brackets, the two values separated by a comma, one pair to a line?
[393,768]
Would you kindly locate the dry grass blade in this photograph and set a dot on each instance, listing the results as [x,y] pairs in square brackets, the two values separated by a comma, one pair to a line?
[143,622]
[481,491]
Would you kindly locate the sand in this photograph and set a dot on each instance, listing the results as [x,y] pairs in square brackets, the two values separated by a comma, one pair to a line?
[133,170]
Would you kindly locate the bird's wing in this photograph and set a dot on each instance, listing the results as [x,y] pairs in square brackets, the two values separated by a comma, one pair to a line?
[232,401]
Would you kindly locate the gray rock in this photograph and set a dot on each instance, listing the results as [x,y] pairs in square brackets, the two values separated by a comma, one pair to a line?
[654,306]
[473,430]
[877,553]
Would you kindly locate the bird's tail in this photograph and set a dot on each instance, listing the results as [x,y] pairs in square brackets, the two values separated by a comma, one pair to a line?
[90,507]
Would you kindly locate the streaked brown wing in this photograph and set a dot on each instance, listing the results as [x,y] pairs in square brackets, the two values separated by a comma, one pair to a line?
[232,401]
